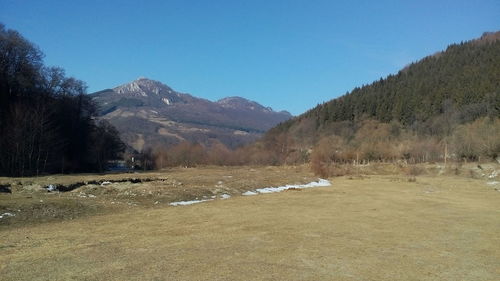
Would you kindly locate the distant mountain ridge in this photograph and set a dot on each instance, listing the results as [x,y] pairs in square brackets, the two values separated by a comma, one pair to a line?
[147,113]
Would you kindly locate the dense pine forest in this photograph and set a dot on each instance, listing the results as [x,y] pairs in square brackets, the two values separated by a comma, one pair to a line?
[447,103]
[464,79]
[46,120]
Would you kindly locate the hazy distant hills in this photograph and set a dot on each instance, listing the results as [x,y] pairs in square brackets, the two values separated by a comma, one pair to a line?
[457,85]
[147,113]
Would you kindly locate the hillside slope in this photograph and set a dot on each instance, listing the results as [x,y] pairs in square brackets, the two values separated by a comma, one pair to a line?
[463,82]
[443,107]
[148,113]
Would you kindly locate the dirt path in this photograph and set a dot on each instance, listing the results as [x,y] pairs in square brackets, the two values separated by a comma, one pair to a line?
[377,228]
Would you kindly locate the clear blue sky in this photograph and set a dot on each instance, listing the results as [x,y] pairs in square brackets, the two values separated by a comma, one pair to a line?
[288,55]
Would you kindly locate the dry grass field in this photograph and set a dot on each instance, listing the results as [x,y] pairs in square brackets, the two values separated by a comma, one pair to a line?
[372,227]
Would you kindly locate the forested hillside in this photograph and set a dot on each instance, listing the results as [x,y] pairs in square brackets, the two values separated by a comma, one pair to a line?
[446,101]
[46,119]
[464,78]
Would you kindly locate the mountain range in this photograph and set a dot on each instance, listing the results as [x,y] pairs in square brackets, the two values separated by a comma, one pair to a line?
[149,113]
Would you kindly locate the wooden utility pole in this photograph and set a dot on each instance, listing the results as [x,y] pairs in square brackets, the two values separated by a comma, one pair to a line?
[445,153]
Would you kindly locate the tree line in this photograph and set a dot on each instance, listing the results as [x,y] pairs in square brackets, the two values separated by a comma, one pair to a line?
[348,143]
[375,141]
[47,122]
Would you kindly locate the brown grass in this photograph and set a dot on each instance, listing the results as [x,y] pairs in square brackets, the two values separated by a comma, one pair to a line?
[157,189]
[377,228]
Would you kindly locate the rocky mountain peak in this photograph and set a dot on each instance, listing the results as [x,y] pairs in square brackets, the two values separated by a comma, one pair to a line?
[148,113]
[143,87]
[242,104]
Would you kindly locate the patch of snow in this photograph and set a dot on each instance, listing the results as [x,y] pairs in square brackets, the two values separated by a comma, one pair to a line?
[183,203]
[492,183]
[320,182]
[166,101]
[249,193]
[105,183]
[4,215]
[51,188]
[494,174]
[240,133]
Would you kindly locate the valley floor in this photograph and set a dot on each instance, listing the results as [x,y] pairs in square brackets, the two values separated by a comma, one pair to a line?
[376,227]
